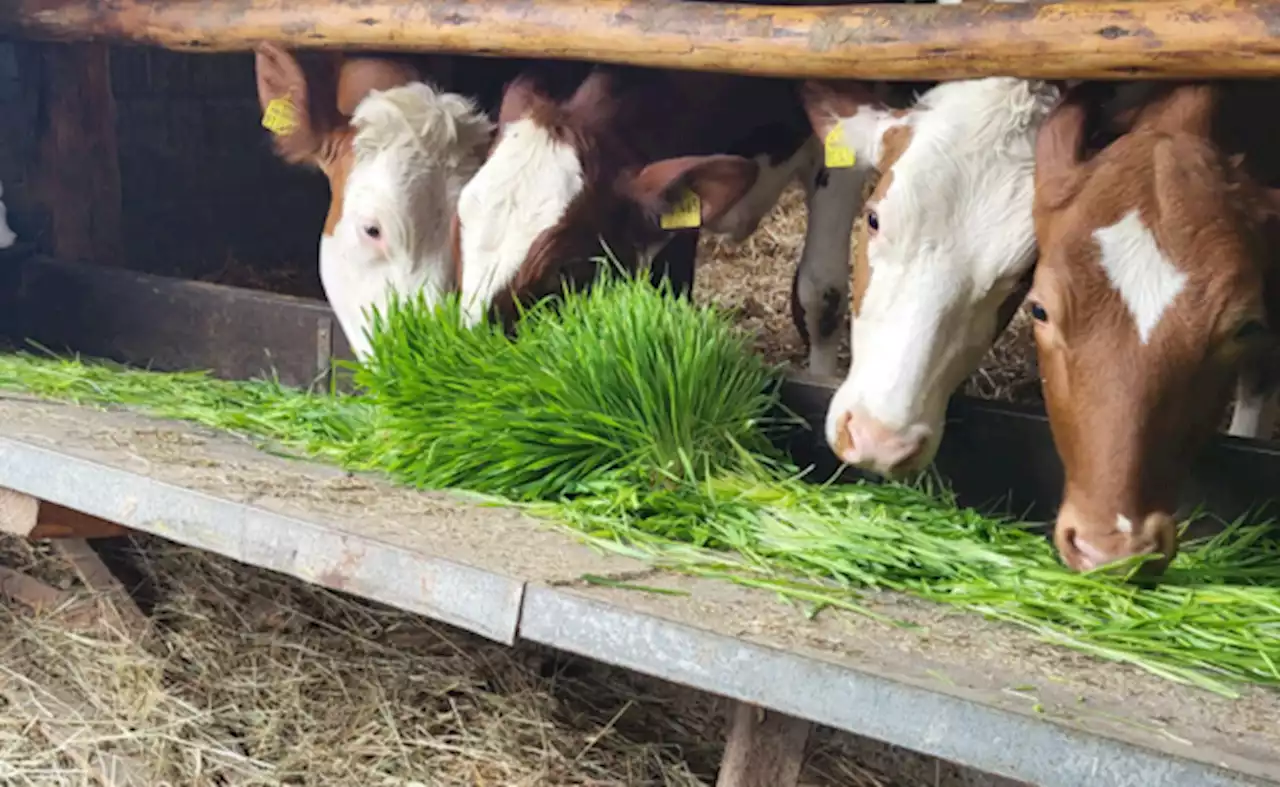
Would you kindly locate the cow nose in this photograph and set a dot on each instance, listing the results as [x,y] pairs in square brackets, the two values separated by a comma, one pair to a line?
[866,443]
[1086,545]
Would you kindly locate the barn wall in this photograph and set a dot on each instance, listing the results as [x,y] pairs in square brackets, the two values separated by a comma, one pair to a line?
[16,138]
[203,195]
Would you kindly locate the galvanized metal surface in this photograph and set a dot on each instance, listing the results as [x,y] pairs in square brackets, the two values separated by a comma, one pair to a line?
[1016,745]
[470,598]
[504,576]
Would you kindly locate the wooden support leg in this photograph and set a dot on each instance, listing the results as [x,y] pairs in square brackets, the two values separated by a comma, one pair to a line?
[23,515]
[765,749]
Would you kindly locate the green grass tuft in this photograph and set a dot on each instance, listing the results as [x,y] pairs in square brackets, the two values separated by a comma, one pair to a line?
[639,422]
[619,383]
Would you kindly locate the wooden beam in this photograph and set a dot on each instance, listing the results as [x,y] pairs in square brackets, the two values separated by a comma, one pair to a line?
[26,516]
[1116,39]
[76,175]
[765,748]
[31,592]
[113,595]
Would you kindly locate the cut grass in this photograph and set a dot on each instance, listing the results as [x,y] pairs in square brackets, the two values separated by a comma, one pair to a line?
[636,421]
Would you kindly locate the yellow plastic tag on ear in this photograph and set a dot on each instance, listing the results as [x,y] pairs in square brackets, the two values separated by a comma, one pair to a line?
[684,214]
[838,154]
[281,116]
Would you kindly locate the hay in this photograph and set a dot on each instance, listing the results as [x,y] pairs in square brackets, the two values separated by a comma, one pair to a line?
[254,678]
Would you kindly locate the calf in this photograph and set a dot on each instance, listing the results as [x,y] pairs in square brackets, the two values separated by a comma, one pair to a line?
[945,250]
[1157,286]
[396,151]
[611,162]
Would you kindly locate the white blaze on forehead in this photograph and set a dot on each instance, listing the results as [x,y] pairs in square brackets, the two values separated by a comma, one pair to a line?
[1145,279]
[523,189]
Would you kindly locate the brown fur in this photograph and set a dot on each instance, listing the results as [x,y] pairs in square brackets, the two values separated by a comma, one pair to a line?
[1127,418]
[643,136]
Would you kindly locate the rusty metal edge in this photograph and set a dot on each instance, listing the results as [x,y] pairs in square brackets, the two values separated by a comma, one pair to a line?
[479,601]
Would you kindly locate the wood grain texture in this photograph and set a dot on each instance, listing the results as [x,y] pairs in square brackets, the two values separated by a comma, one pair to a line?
[1095,40]
[76,175]
[765,748]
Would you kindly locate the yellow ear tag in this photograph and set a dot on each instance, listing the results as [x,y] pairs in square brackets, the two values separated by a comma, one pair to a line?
[281,116]
[684,214]
[838,154]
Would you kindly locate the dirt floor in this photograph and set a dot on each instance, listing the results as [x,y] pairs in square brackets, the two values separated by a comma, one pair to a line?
[250,678]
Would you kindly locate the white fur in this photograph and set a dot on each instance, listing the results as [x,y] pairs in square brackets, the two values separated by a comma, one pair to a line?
[1256,412]
[1145,279]
[1124,524]
[414,150]
[955,236]
[7,236]
[523,189]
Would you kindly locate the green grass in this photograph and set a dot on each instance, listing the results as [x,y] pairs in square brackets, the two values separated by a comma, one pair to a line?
[641,423]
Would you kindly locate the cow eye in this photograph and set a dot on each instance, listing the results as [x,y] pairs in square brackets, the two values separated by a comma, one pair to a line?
[373,231]
[1037,312]
[873,221]
[1252,329]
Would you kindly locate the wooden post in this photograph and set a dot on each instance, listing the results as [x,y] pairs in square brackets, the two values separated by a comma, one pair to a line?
[765,748]
[1091,39]
[76,175]
[29,517]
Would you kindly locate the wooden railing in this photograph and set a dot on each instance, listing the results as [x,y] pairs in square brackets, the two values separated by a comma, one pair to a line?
[1092,40]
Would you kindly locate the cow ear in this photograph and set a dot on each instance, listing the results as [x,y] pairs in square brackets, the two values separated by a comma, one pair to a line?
[718,181]
[827,101]
[358,77]
[286,100]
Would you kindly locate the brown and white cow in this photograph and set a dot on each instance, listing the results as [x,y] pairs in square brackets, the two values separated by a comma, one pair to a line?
[608,162]
[944,252]
[1158,284]
[396,150]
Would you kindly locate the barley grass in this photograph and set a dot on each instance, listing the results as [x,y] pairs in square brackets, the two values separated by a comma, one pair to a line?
[641,423]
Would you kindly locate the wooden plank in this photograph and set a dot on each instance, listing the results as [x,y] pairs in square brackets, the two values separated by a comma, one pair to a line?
[1114,39]
[55,521]
[114,599]
[19,513]
[167,323]
[30,592]
[765,748]
[23,515]
[76,175]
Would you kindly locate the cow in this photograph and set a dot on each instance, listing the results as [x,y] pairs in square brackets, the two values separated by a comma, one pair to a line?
[1157,290]
[616,160]
[396,150]
[945,250]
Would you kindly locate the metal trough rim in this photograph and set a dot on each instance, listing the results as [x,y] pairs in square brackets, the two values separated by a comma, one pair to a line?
[1020,745]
